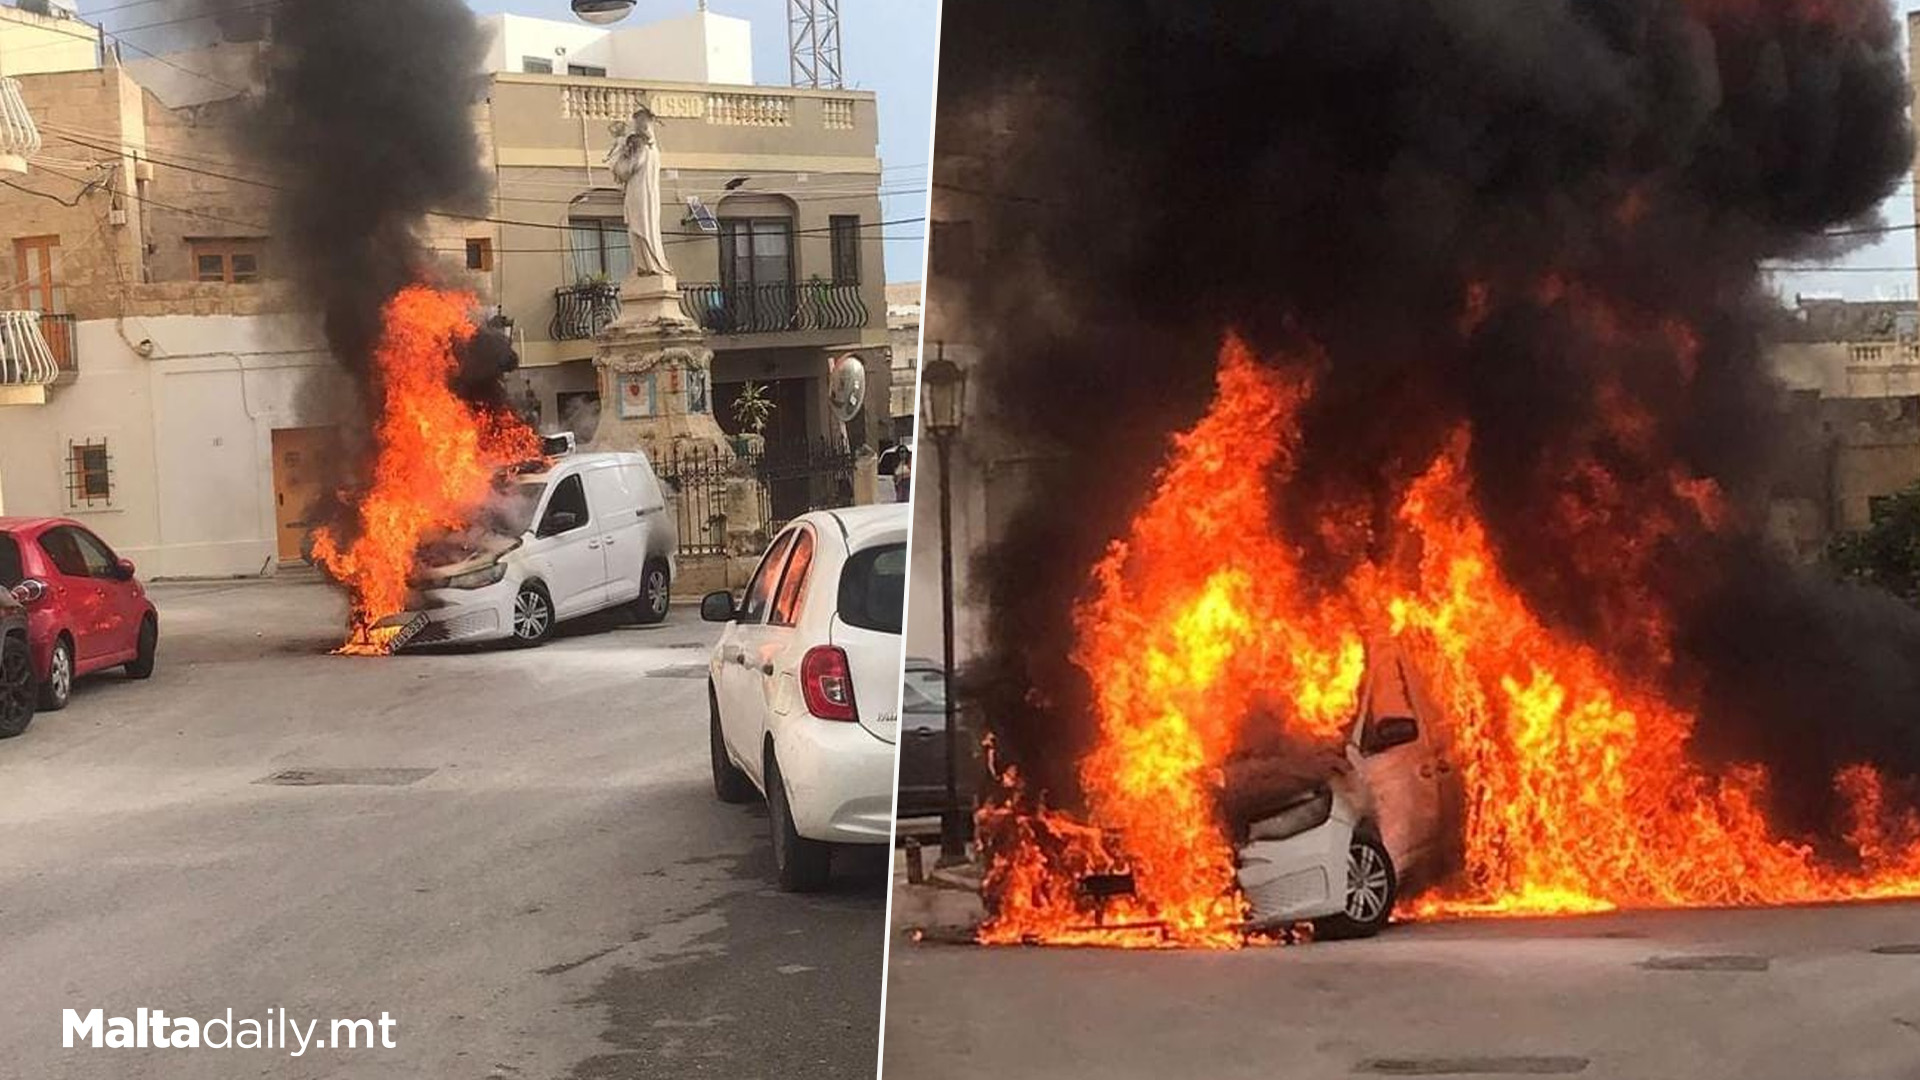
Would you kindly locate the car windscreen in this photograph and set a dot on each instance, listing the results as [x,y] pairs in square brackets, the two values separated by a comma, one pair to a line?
[509,511]
[12,571]
[924,690]
[873,588]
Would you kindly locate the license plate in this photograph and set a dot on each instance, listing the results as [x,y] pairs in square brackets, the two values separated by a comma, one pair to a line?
[409,632]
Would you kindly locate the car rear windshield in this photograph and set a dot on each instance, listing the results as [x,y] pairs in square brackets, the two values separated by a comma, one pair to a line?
[873,588]
[11,571]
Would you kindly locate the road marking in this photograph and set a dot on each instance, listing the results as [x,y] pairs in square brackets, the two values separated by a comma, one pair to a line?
[1522,1065]
[1706,963]
[327,777]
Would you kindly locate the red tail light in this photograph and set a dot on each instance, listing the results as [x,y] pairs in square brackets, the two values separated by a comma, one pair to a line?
[30,591]
[826,682]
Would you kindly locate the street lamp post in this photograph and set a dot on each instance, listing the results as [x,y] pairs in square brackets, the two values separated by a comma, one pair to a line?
[943,387]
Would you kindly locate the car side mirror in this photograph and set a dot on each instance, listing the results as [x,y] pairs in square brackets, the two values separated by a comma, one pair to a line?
[1389,732]
[124,568]
[560,521]
[717,607]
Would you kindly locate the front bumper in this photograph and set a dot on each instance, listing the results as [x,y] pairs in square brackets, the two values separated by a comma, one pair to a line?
[839,780]
[463,615]
[1301,877]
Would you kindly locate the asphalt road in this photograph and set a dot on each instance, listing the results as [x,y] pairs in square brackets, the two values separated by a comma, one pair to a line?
[1710,995]
[552,892]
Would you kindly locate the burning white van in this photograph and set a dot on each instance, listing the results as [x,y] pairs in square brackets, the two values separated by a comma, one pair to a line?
[561,539]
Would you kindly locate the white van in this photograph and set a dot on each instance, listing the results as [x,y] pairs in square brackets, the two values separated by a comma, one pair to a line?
[583,534]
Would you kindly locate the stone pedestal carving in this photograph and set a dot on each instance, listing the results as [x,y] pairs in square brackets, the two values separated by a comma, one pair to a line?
[656,396]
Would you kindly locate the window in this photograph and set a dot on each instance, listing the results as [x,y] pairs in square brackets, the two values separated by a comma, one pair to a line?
[233,261]
[845,234]
[793,587]
[755,251]
[602,248]
[570,498]
[923,690]
[78,553]
[536,65]
[36,271]
[13,568]
[89,474]
[760,589]
[479,253]
[873,588]
[99,558]
[587,71]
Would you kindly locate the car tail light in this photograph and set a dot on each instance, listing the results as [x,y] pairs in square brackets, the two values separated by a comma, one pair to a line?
[30,591]
[826,682]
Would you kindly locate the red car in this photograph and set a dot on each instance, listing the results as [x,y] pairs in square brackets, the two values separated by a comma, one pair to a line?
[86,611]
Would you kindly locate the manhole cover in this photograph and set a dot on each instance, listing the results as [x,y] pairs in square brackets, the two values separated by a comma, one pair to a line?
[679,671]
[1706,963]
[1898,950]
[1527,1065]
[346,777]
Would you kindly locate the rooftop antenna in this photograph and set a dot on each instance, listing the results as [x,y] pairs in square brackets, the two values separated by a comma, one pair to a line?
[813,40]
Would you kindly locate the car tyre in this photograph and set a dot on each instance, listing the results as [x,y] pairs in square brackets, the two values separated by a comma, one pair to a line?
[730,785]
[656,594]
[148,647]
[802,865]
[18,693]
[1372,888]
[533,619]
[57,690]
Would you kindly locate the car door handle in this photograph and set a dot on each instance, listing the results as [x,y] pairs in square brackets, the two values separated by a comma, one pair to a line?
[766,669]
[593,545]
[607,540]
[1426,772]
[1446,766]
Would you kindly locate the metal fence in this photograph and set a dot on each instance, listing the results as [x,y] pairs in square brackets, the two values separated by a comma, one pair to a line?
[781,483]
[774,307]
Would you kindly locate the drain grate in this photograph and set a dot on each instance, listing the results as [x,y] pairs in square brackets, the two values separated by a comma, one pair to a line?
[346,777]
[679,671]
[1706,963]
[1911,949]
[1524,1065]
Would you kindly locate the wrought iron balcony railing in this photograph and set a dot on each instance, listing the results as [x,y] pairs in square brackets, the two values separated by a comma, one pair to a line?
[582,311]
[775,307]
[26,359]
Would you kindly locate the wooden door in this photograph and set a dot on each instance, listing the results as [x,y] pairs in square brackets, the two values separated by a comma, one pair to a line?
[300,475]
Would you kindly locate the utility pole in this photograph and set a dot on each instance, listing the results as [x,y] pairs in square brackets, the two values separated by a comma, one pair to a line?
[813,43]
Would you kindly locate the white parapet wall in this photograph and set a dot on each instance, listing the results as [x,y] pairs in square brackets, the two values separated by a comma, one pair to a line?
[186,407]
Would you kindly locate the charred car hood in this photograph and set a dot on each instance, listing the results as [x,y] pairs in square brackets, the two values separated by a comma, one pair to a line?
[461,553]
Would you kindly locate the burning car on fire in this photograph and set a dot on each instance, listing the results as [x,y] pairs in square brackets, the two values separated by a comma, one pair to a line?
[559,539]
[1334,837]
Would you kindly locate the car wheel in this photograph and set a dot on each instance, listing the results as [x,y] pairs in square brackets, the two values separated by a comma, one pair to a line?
[730,785]
[18,694]
[803,865]
[141,666]
[58,689]
[1371,890]
[532,614]
[656,595]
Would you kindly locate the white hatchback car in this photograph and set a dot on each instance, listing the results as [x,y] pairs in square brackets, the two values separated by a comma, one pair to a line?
[804,686]
[583,534]
[1338,855]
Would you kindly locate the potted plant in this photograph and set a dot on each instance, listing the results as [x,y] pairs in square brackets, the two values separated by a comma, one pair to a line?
[752,408]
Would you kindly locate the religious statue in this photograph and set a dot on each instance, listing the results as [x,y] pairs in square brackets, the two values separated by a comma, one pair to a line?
[634,161]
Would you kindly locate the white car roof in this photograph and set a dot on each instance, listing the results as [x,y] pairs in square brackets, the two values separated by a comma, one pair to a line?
[864,526]
[582,462]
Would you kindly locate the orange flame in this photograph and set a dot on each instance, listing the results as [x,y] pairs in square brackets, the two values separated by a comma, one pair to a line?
[435,460]
[1580,795]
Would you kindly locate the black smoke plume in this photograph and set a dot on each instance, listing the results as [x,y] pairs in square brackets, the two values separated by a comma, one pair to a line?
[1539,218]
[368,121]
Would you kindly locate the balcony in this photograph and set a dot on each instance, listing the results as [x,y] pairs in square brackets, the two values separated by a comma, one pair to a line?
[582,311]
[774,308]
[28,364]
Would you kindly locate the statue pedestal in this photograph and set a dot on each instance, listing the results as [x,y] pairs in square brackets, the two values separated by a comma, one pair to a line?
[656,396]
